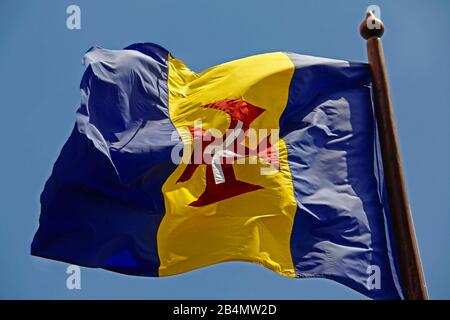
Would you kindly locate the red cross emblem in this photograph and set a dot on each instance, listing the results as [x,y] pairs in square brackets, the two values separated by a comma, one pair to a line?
[221,182]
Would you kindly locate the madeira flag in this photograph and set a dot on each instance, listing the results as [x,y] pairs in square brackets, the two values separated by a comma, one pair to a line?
[272,159]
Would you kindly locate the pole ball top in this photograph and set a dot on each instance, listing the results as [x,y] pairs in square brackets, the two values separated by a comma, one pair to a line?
[371,26]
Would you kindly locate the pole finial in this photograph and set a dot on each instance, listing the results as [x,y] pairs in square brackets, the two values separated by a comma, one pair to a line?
[371,26]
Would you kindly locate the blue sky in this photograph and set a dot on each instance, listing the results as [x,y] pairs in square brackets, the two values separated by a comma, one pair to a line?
[40,67]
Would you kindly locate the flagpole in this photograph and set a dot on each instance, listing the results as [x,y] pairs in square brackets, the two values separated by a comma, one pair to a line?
[412,276]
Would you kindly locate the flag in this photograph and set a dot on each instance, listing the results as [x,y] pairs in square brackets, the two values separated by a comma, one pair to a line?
[272,159]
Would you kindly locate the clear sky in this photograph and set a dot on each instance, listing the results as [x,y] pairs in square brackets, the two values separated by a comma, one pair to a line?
[40,71]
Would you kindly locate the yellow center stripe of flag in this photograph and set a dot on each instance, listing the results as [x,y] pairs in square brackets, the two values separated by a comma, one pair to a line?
[254,226]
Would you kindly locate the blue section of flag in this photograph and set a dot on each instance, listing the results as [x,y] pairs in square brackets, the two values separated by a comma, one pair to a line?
[341,229]
[102,205]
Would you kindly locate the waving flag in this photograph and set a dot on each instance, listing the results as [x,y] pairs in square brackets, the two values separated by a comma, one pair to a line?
[272,159]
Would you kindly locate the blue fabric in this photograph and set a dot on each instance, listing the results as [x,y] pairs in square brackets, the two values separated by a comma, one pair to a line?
[342,224]
[103,204]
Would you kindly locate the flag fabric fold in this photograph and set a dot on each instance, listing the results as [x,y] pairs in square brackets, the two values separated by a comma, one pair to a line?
[272,159]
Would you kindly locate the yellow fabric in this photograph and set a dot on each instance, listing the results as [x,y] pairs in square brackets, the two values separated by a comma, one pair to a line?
[255,226]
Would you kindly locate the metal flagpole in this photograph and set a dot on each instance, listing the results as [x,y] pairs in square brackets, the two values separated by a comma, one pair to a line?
[412,276]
